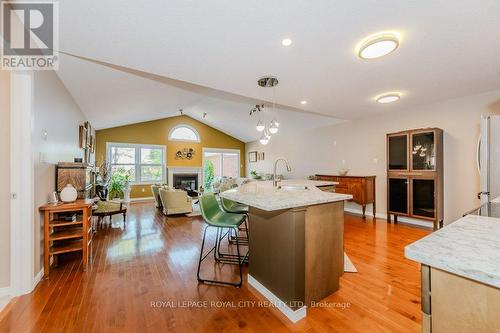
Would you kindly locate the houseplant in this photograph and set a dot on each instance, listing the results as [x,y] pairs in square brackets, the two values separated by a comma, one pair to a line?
[119,184]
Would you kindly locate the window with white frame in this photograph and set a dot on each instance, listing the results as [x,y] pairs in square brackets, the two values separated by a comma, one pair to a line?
[183,133]
[144,163]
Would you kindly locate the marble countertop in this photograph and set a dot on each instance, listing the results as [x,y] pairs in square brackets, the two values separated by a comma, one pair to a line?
[262,194]
[469,247]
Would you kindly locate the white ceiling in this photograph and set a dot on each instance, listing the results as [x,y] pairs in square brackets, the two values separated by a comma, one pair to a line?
[112,96]
[449,49]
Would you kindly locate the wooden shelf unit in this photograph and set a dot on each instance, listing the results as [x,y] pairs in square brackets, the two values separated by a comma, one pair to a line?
[62,236]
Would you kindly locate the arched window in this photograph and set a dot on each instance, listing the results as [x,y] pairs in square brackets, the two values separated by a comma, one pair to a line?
[183,133]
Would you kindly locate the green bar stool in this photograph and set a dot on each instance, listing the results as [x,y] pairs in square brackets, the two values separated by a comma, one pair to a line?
[215,217]
[234,207]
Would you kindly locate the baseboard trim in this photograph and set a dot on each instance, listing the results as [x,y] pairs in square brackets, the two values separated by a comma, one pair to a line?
[37,278]
[142,199]
[5,292]
[293,315]
[403,219]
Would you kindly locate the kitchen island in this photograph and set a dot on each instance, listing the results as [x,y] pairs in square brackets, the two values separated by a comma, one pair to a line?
[296,241]
[460,276]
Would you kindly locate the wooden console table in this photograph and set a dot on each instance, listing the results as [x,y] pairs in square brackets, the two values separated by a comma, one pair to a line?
[362,188]
[63,236]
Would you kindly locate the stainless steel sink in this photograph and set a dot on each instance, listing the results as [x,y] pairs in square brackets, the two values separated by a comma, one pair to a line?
[293,188]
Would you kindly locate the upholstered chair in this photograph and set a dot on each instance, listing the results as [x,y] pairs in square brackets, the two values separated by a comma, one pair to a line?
[175,201]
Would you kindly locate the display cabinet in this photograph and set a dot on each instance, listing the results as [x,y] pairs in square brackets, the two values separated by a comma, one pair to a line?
[415,175]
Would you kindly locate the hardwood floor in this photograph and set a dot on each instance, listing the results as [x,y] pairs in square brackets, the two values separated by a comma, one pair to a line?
[142,279]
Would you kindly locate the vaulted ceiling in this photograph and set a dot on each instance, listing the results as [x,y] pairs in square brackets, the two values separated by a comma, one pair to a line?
[152,58]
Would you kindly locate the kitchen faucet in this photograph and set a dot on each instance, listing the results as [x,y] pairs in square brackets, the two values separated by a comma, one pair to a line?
[275,177]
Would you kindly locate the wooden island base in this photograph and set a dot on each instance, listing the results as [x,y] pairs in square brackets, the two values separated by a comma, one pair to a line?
[297,255]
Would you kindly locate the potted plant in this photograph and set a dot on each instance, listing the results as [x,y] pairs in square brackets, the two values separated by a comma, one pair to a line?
[119,185]
[255,174]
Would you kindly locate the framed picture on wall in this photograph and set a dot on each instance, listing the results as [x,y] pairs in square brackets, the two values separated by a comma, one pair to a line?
[83,137]
[252,156]
[260,156]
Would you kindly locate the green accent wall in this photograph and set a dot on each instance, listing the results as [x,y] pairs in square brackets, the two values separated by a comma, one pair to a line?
[156,133]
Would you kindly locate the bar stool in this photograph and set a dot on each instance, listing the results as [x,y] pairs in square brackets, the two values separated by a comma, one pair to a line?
[215,217]
[234,207]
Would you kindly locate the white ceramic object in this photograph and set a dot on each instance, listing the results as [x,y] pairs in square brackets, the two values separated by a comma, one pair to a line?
[126,194]
[68,194]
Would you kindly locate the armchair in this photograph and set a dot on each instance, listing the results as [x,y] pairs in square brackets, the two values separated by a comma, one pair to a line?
[155,189]
[175,201]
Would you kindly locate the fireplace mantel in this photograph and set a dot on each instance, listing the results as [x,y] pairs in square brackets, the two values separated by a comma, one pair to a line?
[176,170]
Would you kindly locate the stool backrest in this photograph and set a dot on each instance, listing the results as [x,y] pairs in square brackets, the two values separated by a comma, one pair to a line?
[228,204]
[209,207]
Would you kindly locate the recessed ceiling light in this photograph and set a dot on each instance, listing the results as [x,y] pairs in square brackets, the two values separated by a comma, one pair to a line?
[286,42]
[388,98]
[304,102]
[378,45]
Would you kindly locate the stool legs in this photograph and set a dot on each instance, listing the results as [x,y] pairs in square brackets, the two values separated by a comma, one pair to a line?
[221,257]
[243,240]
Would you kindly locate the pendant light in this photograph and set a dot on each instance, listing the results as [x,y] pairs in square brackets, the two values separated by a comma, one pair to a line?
[260,126]
[273,128]
[264,140]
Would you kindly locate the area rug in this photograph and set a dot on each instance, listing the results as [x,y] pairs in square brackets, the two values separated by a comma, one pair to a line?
[196,210]
[348,265]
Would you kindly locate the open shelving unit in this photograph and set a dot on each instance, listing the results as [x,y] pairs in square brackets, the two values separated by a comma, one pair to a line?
[63,235]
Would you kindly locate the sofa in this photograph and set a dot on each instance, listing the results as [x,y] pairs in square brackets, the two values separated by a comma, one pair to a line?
[175,201]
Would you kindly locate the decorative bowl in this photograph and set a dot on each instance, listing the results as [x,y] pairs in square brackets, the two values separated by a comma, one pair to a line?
[343,172]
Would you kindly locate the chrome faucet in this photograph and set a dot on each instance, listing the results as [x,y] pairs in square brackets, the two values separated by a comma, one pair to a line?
[275,177]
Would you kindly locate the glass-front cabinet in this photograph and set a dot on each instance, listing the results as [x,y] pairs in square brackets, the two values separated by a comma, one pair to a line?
[423,193]
[423,152]
[415,174]
[398,195]
[397,151]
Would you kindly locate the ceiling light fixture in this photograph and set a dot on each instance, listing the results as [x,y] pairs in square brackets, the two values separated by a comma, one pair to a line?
[260,126]
[286,42]
[273,128]
[378,45]
[388,98]
[264,139]
[304,102]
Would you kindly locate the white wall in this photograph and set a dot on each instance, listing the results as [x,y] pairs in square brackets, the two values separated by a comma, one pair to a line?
[57,114]
[5,179]
[359,145]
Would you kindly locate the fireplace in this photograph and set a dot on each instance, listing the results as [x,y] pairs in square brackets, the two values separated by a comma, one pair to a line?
[187,182]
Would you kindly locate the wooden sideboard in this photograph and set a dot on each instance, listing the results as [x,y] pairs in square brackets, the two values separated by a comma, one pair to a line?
[62,235]
[362,188]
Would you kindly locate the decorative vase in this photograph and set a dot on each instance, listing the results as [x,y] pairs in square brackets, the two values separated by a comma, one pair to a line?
[68,194]
[126,194]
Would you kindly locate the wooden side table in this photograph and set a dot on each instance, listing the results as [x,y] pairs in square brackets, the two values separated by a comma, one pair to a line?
[63,236]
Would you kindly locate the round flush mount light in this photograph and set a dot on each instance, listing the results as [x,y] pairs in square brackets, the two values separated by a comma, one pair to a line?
[304,102]
[378,45]
[388,98]
[286,42]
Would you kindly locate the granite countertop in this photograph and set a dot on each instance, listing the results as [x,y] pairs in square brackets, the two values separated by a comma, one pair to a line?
[469,247]
[264,196]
